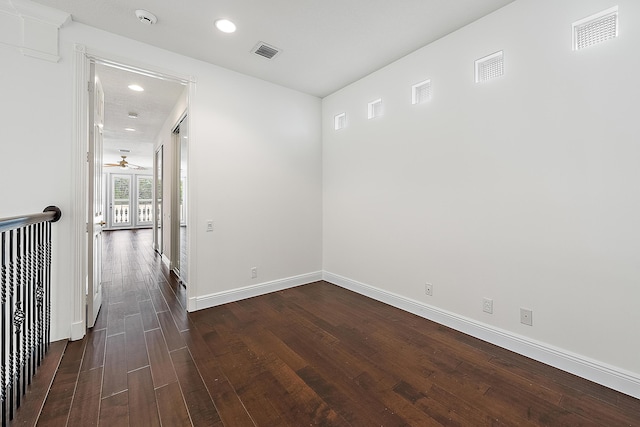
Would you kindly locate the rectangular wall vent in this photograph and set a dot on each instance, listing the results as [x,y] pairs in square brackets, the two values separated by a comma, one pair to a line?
[340,121]
[375,109]
[421,92]
[265,50]
[595,28]
[490,67]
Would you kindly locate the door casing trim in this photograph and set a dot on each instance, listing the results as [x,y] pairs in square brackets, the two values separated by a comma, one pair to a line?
[83,56]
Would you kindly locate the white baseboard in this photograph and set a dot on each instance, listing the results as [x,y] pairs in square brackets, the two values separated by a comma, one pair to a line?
[192,304]
[78,331]
[238,294]
[592,370]
[166,261]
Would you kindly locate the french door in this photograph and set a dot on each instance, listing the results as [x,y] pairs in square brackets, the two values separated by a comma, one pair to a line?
[131,201]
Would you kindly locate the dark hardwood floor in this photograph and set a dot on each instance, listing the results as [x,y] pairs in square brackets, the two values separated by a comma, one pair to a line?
[311,355]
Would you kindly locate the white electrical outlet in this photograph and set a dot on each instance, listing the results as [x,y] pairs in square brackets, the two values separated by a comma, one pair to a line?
[487,305]
[254,273]
[428,289]
[209,225]
[526,316]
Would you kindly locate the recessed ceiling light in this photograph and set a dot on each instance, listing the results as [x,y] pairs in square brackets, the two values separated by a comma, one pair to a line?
[137,88]
[225,25]
[130,129]
[133,115]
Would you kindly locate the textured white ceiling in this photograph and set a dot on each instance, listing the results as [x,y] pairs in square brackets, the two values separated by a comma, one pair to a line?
[153,107]
[326,44]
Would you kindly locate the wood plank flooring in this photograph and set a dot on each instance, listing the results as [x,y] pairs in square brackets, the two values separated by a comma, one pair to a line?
[311,355]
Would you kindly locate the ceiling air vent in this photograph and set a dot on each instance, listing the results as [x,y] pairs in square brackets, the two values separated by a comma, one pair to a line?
[265,50]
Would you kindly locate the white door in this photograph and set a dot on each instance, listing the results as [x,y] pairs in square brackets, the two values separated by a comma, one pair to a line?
[130,201]
[121,202]
[96,199]
[144,200]
[157,216]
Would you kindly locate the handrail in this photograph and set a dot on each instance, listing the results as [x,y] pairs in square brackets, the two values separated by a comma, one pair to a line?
[50,214]
[25,297]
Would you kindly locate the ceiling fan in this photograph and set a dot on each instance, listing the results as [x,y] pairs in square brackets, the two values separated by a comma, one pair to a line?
[124,164]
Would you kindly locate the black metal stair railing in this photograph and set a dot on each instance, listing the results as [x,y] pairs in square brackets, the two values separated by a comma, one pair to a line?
[25,280]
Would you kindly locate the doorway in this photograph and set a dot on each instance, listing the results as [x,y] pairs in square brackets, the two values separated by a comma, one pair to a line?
[130,201]
[138,108]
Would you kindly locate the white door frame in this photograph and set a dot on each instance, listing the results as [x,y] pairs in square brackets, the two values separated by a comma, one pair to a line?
[176,251]
[79,263]
[95,206]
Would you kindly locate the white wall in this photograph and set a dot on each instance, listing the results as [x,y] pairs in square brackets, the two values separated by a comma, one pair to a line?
[256,171]
[243,131]
[255,163]
[523,189]
[165,139]
[35,107]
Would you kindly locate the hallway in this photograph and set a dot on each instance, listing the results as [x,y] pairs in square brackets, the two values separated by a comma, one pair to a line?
[311,355]
[127,375]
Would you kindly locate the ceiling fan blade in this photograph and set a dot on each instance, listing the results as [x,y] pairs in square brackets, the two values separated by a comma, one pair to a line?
[137,167]
[111,165]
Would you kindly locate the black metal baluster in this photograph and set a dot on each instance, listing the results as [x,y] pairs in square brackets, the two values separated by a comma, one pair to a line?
[27,337]
[21,293]
[25,293]
[27,344]
[24,284]
[47,292]
[33,282]
[37,324]
[5,314]
[36,303]
[11,335]
[34,266]
[18,321]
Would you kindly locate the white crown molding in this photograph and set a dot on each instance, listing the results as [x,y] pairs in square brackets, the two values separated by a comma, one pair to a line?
[34,53]
[219,298]
[32,10]
[7,7]
[33,28]
[592,370]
